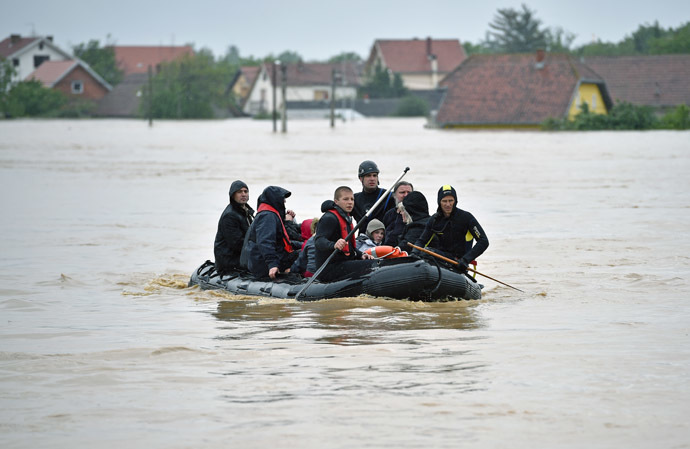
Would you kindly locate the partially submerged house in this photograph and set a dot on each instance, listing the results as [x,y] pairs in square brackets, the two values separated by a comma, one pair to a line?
[26,54]
[242,83]
[134,61]
[309,86]
[519,91]
[659,81]
[74,78]
[421,63]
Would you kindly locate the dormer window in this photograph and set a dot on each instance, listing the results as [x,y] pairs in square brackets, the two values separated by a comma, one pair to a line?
[77,87]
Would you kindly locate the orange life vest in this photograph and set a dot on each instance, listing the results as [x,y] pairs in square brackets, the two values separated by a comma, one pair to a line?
[344,231]
[386,252]
[286,238]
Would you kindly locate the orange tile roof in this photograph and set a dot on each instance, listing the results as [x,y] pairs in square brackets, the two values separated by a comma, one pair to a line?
[250,73]
[50,72]
[510,89]
[138,59]
[411,56]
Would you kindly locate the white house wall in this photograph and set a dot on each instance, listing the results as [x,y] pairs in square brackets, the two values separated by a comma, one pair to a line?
[26,60]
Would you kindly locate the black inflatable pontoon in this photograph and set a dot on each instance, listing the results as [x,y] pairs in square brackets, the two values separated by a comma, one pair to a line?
[402,278]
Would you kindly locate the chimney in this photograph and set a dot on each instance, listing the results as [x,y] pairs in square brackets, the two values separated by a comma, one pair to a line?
[14,38]
[541,55]
[49,38]
[428,46]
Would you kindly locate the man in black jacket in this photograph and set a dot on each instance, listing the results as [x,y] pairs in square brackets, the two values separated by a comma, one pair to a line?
[232,227]
[452,231]
[269,249]
[334,226]
[368,173]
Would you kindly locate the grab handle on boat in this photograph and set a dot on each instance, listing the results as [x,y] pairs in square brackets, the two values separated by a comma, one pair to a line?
[354,228]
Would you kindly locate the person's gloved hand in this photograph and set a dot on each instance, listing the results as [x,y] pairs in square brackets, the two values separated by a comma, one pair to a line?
[462,264]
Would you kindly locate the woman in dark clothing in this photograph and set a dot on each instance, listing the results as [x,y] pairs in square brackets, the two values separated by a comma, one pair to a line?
[269,249]
[415,212]
[232,227]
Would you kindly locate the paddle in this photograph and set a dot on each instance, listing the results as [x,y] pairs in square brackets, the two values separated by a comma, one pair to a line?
[347,238]
[456,263]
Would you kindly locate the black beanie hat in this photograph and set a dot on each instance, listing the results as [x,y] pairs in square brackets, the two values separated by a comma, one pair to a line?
[446,190]
[237,185]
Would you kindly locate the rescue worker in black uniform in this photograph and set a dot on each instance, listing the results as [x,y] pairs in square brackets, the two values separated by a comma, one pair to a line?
[232,227]
[268,249]
[369,176]
[334,225]
[452,231]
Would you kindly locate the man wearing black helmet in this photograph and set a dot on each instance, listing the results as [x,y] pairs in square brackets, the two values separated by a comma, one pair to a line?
[232,227]
[369,177]
[452,231]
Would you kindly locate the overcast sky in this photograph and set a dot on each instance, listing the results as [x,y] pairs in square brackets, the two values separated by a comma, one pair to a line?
[315,29]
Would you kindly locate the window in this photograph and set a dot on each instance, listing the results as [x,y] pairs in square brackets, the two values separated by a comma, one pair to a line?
[594,102]
[77,87]
[320,95]
[15,62]
[39,59]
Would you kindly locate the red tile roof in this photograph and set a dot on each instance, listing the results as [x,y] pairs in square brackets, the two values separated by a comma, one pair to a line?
[411,56]
[7,47]
[137,59]
[510,89]
[658,80]
[319,74]
[50,72]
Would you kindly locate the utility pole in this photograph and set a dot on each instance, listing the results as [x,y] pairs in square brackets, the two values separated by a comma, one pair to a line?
[283,69]
[150,96]
[275,87]
[333,97]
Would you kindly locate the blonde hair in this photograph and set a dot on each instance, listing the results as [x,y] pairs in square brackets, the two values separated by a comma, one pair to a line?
[314,222]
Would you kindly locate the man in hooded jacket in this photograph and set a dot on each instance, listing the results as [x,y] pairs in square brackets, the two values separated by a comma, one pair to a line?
[415,214]
[452,231]
[268,248]
[335,224]
[232,227]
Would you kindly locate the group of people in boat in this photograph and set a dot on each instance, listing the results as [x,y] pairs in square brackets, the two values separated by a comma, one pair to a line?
[269,241]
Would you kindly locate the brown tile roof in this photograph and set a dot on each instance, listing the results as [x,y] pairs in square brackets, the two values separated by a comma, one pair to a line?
[411,56]
[510,89]
[8,47]
[137,59]
[318,73]
[657,80]
[250,73]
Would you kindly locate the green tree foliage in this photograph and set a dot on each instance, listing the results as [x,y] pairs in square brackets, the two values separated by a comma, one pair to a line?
[646,40]
[6,73]
[411,106]
[516,31]
[289,57]
[381,86]
[101,59]
[622,116]
[31,99]
[349,56]
[189,88]
[679,118]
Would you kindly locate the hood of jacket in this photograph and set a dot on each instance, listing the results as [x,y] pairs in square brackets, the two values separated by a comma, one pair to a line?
[305,229]
[416,205]
[275,196]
